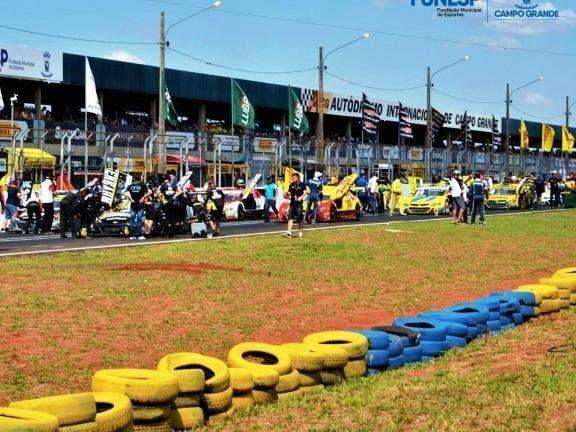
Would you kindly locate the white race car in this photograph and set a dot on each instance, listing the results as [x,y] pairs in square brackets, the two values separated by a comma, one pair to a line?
[238,207]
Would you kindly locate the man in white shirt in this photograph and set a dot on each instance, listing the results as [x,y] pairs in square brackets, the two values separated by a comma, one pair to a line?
[47,188]
[458,203]
[373,193]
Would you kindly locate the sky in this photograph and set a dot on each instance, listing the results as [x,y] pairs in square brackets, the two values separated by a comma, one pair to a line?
[384,60]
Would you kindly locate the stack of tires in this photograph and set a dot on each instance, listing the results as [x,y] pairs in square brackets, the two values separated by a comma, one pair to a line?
[478,318]
[509,308]
[377,357]
[242,384]
[271,370]
[355,345]
[151,393]
[566,289]
[73,412]
[546,296]
[497,321]
[18,420]
[433,334]
[335,360]
[404,342]
[308,364]
[529,305]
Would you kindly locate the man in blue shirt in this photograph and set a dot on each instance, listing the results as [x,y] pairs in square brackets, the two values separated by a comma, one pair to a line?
[270,191]
[477,193]
[314,191]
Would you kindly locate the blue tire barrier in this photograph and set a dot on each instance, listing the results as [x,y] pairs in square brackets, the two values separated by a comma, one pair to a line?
[376,340]
[479,312]
[433,348]
[493,316]
[507,297]
[482,328]
[524,298]
[455,342]
[452,328]
[412,354]
[429,330]
[377,359]
[403,332]
[518,318]
[372,372]
[450,316]
[396,362]
[504,320]
[493,325]
[426,359]
[395,347]
[493,304]
[527,311]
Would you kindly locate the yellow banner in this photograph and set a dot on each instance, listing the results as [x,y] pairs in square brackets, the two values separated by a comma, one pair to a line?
[567,140]
[524,137]
[547,137]
[288,177]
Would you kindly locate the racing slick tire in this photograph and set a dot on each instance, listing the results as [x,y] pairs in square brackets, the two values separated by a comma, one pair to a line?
[241,212]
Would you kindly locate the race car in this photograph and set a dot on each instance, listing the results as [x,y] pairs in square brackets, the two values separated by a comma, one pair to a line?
[503,196]
[429,200]
[113,222]
[240,205]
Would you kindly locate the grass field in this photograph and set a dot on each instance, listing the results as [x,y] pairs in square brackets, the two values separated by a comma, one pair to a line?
[65,316]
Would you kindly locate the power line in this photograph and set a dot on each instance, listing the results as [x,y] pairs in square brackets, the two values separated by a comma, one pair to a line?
[375,31]
[373,87]
[75,38]
[536,116]
[466,100]
[235,69]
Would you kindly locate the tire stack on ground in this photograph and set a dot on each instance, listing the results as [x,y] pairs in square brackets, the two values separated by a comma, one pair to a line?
[113,412]
[242,383]
[308,365]
[271,370]
[377,357]
[151,392]
[432,335]
[355,345]
[411,349]
[335,360]
[566,289]
[496,321]
[529,306]
[567,278]
[546,296]
[509,308]
[19,420]
[74,412]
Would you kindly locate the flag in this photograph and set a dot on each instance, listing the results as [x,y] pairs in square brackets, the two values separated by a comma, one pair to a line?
[296,117]
[170,114]
[465,131]
[567,140]
[288,177]
[547,137]
[436,124]
[404,125]
[91,97]
[242,109]
[496,137]
[370,117]
[524,136]
[1,101]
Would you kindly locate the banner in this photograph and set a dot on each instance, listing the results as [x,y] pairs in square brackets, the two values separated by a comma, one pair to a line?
[370,118]
[251,185]
[6,131]
[170,114]
[436,124]
[547,137]
[265,145]
[296,117]
[29,63]
[173,140]
[1,101]
[91,97]
[109,186]
[288,177]
[242,110]
[524,136]
[404,125]
[567,140]
[496,137]
[465,130]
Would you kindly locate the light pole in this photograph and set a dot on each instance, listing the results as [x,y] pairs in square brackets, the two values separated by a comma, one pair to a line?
[508,102]
[13,99]
[429,85]
[320,103]
[162,71]
[568,114]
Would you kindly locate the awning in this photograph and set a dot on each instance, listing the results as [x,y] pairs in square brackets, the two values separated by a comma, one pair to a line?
[192,160]
[36,158]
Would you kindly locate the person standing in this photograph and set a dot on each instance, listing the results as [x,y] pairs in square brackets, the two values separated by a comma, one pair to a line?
[70,209]
[47,188]
[554,191]
[137,193]
[373,193]
[540,187]
[214,207]
[13,197]
[478,192]
[314,190]
[296,194]
[270,193]
[458,203]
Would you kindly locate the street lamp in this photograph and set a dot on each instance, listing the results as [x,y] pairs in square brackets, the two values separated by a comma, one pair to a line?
[13,100]
[508,102]
[162,71]
[320,106]
[429,85]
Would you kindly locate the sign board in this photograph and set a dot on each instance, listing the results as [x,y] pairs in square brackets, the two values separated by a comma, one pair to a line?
[7,131]
[175,139]
[109,186]
[265,145]
[351,106]
[229,143]
[30,63]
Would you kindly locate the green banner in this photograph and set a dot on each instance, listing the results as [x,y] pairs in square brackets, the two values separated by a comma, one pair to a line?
[170,114]
[296,117]
[242,109]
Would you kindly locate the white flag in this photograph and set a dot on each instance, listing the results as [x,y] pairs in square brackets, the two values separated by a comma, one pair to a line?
[92,103]
[1,101]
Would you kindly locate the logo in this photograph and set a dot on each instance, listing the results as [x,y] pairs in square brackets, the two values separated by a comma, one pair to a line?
[527,11]
[527,4]
[3,58]
[46,73]
[450,8]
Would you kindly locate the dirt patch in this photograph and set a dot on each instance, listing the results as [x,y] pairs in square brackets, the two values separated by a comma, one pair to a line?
[196,268]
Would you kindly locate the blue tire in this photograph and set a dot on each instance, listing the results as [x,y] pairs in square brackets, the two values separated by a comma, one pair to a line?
[491,303]
[425,359]
[452,328]
[493,326]
[524,298]
[493,316]
[518,318]
[429,330]
[433,348]
[396,362]
[449,316]
[376,340]
[527,311]
[482,328]
[455,342]
[372,372]
[412,354]
[377,359]
[504,320]
[479,312]
[395,347]
[474,332]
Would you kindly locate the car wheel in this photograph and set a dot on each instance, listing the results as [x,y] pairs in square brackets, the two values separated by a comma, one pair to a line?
[241,213]
[333,214]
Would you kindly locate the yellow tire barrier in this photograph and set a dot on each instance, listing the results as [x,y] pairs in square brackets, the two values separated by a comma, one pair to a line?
[568,271]
[264,377]
[153,427]
[217,376]
[187,400]
[243,402]
[220,417]
[288,382]
[294,394]
[18,420]
[355,368]
[241,381]
[150,414]
[573,299]
[264,396]
[70,409]
[308,379]
[356,345]
[541,292]
[255,354]
[81,427]
[114,411]
[218,402]
[186,418]
[550,305]
[303,358]
[142,386]
[334,356]
[567,283]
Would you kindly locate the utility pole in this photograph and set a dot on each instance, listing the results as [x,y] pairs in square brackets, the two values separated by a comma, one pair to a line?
[428,143]
[507,140]
[161,108]
[567,155]
[320,109]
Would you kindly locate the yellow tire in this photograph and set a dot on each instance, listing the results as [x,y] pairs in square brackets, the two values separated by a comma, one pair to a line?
[549,305]
[568,271]
[153,427]
[332,376]
[220,417]
[355,368]
[288,382]
[573,299]
[241,380]
[186,418]
[310,389]
[187,400]
[264,396]
[309,379]
[549,292]
[18,420]
[218,402]
[355,344]
[564,304]
[243,402]
[334,356]
[69,409]
[142,386]
[264,377]
[568,283]
[114,411]
[294,394]
[217,376]
[150,414]
[80,427]
[255,354]
[303,358]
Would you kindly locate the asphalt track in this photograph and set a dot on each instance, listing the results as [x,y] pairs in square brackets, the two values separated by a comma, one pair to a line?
[28,244]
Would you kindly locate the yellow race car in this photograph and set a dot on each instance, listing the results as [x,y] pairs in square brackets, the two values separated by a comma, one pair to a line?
[429,199]
[503,197]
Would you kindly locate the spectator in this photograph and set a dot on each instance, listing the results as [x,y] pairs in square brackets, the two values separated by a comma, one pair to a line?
[458,203]
[47,188]
[270,193]
[373,193]
[478,193]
